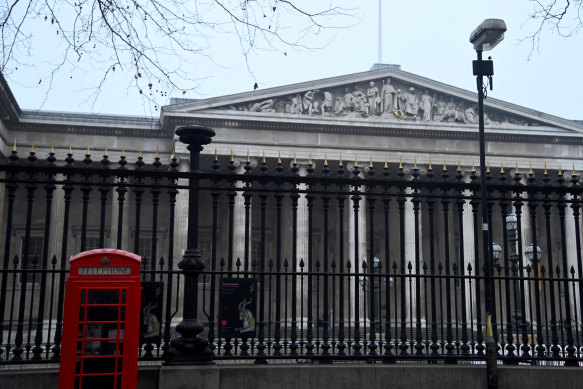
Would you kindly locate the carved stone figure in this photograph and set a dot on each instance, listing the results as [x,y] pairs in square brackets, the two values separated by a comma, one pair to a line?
[471,116]
[452,112]
[425,105]
[388,93]
[264,106]
[360,102]
[296,105]
[310,104]
[373,98]
[326,105]
[339,105]
[410,104]
[348,100]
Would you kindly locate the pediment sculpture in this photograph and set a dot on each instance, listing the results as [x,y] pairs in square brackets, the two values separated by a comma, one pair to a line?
[385,99]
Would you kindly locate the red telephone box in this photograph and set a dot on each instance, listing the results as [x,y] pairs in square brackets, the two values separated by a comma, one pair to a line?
[102,321]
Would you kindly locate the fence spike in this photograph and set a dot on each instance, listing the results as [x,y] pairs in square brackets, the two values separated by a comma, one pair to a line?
[70,148]
[123,151]
[14,147]
[340,162]
[415,166]
[248,159]
[530,171]
[173,153]
[232,156]
[88,151]
[573,174]
[310,159]
[157,153]
[370,164]
[325,159]
[264,161]
[32,147]
[560,171]
[386,163]
[546,173]
[430,167]
[105,151]
[52,147]
[501,167]
[279,157]
[295,161]
[473,166]
[400,162]
[444,166]
[216,155]
[516,169]
[459,168]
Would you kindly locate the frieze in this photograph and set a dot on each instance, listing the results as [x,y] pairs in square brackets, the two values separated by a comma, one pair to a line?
[386,99]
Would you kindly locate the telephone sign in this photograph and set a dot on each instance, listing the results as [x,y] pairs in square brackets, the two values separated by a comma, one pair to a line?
[102,321]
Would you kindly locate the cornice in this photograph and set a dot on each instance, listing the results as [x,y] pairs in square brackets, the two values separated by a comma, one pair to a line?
[531,135]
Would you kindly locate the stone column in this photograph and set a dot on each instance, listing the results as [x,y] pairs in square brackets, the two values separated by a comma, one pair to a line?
[362,253]
[526,240]
[410,244]
[570,239]
[302,246]
[239,220]
[57,219]
[181,219]
[469,259]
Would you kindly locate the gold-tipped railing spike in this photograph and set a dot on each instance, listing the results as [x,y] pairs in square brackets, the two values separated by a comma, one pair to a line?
[216,155]
[370,163]
[295,160]
[310,158]
[232,156]
[157,152]
[88,151]
[400,162]
[52,147]
[173,153]
[279,157]
[123,151]
[444,166]
[105,151]
[488,167]
[516,169]
[546,173]
[473,166]
[325,159]
[264,161]
[573,174]
[530,168]
[459,167]
[248,159]
[14,147]
[355,161]
[430,167]
[140,152]
[70,148]
[340,162]
[386,163]
[415,164]
[501,167]
[560,171]
[32,148]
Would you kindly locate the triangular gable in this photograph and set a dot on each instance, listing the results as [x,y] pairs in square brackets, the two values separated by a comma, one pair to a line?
[388,94]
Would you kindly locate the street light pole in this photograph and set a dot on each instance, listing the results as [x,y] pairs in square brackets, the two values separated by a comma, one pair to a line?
[487,35]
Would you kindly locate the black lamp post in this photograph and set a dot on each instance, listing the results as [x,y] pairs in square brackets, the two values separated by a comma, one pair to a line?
[484,38]
[187,347]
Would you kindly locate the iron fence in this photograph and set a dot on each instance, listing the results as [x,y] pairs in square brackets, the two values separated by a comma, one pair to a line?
[346,263]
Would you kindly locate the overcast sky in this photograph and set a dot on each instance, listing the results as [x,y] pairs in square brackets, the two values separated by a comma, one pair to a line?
[428,38]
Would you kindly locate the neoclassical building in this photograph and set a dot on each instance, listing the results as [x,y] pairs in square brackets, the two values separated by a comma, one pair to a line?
[384,117]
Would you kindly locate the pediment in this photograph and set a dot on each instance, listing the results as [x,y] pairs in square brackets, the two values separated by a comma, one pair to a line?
[388,96]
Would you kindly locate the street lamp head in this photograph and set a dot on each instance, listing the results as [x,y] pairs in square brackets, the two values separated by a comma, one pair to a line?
[511,222]
[496,251]
[530,252]
[488,34]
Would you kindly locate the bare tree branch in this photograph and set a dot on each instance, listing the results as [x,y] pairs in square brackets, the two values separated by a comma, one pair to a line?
[142,39]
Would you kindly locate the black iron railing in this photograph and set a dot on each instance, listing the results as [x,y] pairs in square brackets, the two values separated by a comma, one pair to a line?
[359,263]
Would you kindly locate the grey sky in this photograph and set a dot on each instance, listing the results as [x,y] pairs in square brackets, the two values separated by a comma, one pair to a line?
[428,38]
